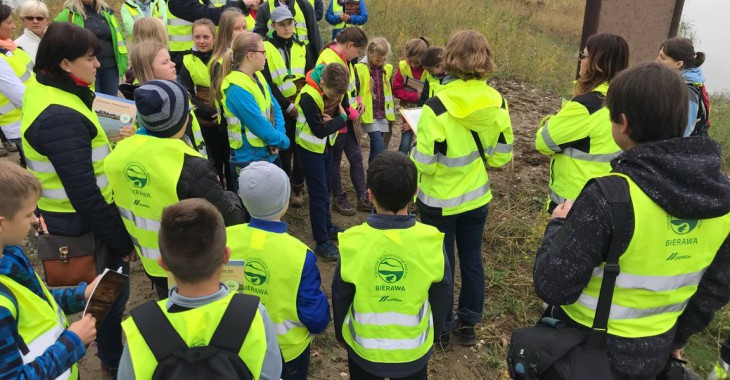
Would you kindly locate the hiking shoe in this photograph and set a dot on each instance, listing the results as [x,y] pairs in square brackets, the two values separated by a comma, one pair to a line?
[10,146]
[3,152]
[334,231]
[296,198]
[342,205]
[444,341]
[465,334]
[364,204]
[327,251]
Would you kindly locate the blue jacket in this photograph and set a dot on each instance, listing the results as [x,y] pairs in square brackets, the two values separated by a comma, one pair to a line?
[313,309]
[57,358]
[691,77]
[243,105]
[333,19]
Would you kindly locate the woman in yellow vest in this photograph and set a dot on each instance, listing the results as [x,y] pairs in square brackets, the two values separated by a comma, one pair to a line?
[98,17]
[256,129]
[65,147]
[673,265]
[578,137]
[31,316]
[15,74]
[151,60]
[286,64]
[463,129]
[376,92]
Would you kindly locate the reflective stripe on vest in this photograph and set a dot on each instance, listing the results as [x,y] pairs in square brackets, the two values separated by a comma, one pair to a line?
[282,76]
[330,56]
[22,67]
[405,263]
[180,31]
[300,23]
[53,198]
[263,100]
[274,279]
[660,270]
[303,134]
[196,327]
[39,324]
[144,172]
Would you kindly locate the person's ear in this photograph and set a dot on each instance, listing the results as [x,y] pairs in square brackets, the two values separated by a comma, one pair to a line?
[678,64]
[65,65]
[2,219]
[226,256]
[371,196]
[624,127]
[161,261]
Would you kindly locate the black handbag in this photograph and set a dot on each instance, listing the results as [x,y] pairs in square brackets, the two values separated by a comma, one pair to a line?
[552,350]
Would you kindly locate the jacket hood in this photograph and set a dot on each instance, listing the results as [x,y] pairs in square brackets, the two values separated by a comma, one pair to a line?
[693,75]
[682,175]
[472,103]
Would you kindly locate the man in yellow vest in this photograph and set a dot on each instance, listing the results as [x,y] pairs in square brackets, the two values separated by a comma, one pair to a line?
[673,270]
[392,285]
[157,167]
[193,248]
[279,269]
[182,14]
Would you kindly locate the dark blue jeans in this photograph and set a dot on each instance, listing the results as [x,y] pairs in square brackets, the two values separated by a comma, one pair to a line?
[107,81]
[376,144]
[466,229]
[109,334]
[347,142]
[317,169]
[297,368]
[406,139]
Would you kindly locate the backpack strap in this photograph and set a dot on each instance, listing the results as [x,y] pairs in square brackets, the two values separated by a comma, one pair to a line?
[162,339]
[21,343]
[616,191]
[235,323]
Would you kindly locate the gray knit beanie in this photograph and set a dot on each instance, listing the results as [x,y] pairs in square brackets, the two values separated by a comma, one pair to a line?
[163,107]
[264,189]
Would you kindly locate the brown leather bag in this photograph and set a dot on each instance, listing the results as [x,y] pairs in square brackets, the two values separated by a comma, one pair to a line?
[67,260]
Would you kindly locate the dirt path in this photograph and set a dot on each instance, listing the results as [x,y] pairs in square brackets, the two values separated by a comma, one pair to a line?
[525,176]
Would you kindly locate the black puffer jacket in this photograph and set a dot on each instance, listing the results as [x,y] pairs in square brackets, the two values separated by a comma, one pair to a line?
[64,136]
[684,177]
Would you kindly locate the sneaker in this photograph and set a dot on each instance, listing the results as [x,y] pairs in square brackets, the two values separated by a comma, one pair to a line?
[364,204]
[444,341]
[465,334]
[3,152]
[334,231]
[342,205]
[10,146]
[296,198]
[327,251]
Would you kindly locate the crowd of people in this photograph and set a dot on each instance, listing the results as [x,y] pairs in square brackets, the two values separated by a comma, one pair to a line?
[241,107]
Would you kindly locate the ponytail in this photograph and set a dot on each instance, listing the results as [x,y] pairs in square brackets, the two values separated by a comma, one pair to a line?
[352,34]
[681,49]
[233,58]
[699,59]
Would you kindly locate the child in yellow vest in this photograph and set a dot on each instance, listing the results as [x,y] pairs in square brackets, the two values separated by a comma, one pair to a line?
[431,61]
[392,285]
[32,317]
[376,92]
[409,68]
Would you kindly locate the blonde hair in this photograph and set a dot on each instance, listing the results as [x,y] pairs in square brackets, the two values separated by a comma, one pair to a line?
[224,39]
[204,22]
[150,29]
[243,44]
[33,6]
[379,46]
[141,58]
[468,55]
[416,46]
[78,6]
[16,186]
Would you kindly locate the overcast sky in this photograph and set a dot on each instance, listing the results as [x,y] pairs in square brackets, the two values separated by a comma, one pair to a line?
[709,18]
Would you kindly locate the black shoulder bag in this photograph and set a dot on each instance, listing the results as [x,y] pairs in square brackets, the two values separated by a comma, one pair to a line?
[551,350]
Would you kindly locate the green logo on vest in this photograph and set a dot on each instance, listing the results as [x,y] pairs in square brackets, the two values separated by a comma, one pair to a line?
[137,175]
[676,256]
[683,226]
[391,269]
[256,272]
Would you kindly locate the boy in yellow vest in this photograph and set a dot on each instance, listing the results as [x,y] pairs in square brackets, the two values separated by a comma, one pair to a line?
[392,286]
[674,265]
[193,248]
[37,342]
[279,269]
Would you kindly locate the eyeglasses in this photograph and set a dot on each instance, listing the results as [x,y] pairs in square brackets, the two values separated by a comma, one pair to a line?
[582,55]
[36,18]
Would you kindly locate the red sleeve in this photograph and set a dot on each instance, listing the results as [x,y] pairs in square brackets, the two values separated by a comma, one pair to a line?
[401,92]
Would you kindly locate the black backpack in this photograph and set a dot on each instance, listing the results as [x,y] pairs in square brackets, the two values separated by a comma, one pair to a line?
[218,360]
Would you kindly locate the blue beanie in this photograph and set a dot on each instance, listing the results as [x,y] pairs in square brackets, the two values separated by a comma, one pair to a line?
[163,107]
